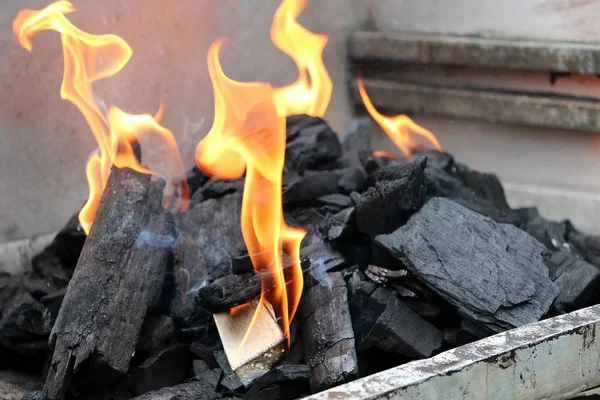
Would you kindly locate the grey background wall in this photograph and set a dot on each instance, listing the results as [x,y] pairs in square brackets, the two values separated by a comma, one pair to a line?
[44,142]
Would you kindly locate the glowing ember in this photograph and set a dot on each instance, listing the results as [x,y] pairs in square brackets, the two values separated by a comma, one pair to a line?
[311,92]
[398,128]
[248,135]
[85,61]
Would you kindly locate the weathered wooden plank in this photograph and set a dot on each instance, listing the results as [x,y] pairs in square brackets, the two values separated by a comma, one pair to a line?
[492,106]
[555,358]
[576,57]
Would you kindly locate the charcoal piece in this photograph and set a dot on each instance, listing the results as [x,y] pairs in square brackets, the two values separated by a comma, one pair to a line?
[388,204]
[473,329]
[211,376]
[168,367]
[342,225]
[337,201]
[353,179]
[205,349]
[397,171]
[157,333]
[230,379]
[424,308]
[25,322]
[551,234]
[118,278]
[486,186]
[196,390]
[327,335]
[215,227]
[229,291]
[190,272]
[356,141]
[311,144]
[320,258]
[441,183]
[196,178]
[382,321]
[200,366]
[57,261]
[588,246]
[216,188]
[494,274]
[284,382]
[457,337]
[577,280]
[53,301]
[309,186]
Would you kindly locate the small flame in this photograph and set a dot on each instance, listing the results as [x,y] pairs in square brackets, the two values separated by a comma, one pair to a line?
[249,135]
[311,92]
[85,62]
[398,128]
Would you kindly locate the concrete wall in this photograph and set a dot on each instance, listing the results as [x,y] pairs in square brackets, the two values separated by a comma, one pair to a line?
[44,142]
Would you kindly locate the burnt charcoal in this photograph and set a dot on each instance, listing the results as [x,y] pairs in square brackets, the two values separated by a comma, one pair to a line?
[353,179]
[215,228]
[440,183]
[473,329]
[296,354]
[309,186]
[35,395]
[335,201]
[342,225]
[486,186]
[457,337]
[229,291]
[53,301]
[320,258]
[216,188]
[230,379]
[284,382]
[189,273]
[206,348]
[577,280]
[25,323]
[117,275]
[389,203]
[382,321]
[157,333]
[494,274]
[587,246]
[200,366]
[551,234]
[424,308]
[196,178]
[327,335]
[196,390]
[311,144]
[57,261]
[168,367]
[356,141]
[211,376]
[397,171]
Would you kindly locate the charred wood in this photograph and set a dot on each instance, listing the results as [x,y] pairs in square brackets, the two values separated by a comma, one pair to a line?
[229,291]
[284,382]
[382,321]
[117,279]
[196,390]
[327,336]
[494,274]
[311,144]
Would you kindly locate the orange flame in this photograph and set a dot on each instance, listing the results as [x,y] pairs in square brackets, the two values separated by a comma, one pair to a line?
[398,128]
[85,58]
[249,135]
[311,92]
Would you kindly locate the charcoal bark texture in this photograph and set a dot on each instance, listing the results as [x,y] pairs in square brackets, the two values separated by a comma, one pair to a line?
[494,274]
[577,280]
[382,321]
[117,279]
[311,144]
[229,291]
[393,199]
[196,390]
[215,228]
[553,235]
[284,382]
[167,367]
[327,336]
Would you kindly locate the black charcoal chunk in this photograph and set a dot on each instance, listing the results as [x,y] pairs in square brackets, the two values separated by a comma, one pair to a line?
[577,280]
[309,186]
[327,335]
[284,382]
[389,203]
[382,321]
[196,390]
[229,291]
[157,333]
[311,144]
[342,224]
[494,274]
[168,367]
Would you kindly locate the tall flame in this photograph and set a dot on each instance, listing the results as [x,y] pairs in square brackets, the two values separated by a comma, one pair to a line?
[248,135]
[311,92]
[85,61]
[397,128]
